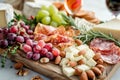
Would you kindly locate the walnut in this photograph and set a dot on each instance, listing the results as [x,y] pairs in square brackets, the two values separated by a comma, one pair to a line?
[36,78]
[22,72]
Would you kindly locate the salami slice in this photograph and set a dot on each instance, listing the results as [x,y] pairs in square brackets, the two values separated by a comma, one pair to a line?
[110,53]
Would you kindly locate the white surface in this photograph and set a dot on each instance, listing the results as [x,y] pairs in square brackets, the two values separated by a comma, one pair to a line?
[98,6]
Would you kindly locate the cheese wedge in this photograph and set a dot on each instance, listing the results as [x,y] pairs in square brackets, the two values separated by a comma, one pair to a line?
[110,27]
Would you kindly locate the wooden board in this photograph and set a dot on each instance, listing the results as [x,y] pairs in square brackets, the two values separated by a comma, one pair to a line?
[54,71]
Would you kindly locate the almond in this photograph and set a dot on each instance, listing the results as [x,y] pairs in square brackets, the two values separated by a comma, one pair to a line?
[78,42]
[99,61]
[44,60]
[58,60]
[78,71]
[97,56]
[83,76]
[90,74]
[96,71]
[72,63]
[101,67]
[81,62]
[82,52]
[18,65]
[62,54]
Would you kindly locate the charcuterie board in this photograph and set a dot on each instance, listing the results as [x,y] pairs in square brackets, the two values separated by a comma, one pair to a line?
[54,71]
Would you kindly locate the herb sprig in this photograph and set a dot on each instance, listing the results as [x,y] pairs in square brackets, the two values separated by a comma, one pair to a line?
[90,35]
[12,51]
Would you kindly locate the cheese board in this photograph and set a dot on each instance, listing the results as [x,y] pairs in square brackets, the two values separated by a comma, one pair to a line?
[59,49]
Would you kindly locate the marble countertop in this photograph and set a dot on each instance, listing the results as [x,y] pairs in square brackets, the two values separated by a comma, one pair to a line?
[101,12]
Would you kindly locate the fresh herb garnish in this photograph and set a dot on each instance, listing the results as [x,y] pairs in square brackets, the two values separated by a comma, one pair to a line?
[90,35]
[12,51]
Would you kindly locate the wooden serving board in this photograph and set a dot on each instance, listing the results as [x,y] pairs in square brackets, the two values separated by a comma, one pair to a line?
[54,71]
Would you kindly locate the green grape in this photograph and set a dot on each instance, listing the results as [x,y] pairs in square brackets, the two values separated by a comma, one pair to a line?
[42,13]
[53,23]
[62,12]
[52,10]
[43,7]
[46,20]
[57,18]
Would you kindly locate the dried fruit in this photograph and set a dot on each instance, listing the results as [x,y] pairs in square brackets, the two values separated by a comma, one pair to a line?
[18,65]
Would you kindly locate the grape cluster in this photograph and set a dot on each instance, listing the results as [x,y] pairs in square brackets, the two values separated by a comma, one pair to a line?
[17,33]
[50,16]
[38,49]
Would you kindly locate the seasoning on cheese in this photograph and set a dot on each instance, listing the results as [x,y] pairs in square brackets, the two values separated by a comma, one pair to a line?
[110,27]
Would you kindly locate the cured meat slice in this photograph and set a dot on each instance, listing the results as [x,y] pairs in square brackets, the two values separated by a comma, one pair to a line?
[110,53]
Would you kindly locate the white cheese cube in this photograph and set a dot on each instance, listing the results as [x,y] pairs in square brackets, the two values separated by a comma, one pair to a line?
[68,71]
[82,47]
[91,62]
[70,49]
[64,62]
[89,54]
[70,56]
[83,67]
[78,58]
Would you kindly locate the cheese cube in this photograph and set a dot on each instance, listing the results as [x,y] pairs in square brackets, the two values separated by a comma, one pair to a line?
[70,49]
[68,71]
[91,62]
[70,56]
[83,47]
[110,27]
[83,67]
[78,58]
[89,54]
[64,62]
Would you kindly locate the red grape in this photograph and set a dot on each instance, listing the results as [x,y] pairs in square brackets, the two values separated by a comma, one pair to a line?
[41,43]
[43,52]
[1,36]
[11,36]
[29,42]
[31,36]
[3,43]
[5,31]
[36,48]
[26,48]
[11,42]
[13,29]
[49,55]
[36,56]
[30,32]
[20,39]
[48,46]
[1,30]
[29,55]
[55,52]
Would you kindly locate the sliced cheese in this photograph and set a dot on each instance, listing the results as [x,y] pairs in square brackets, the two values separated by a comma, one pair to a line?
[83,67]
[110,27]
[91,62]
[68,71]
